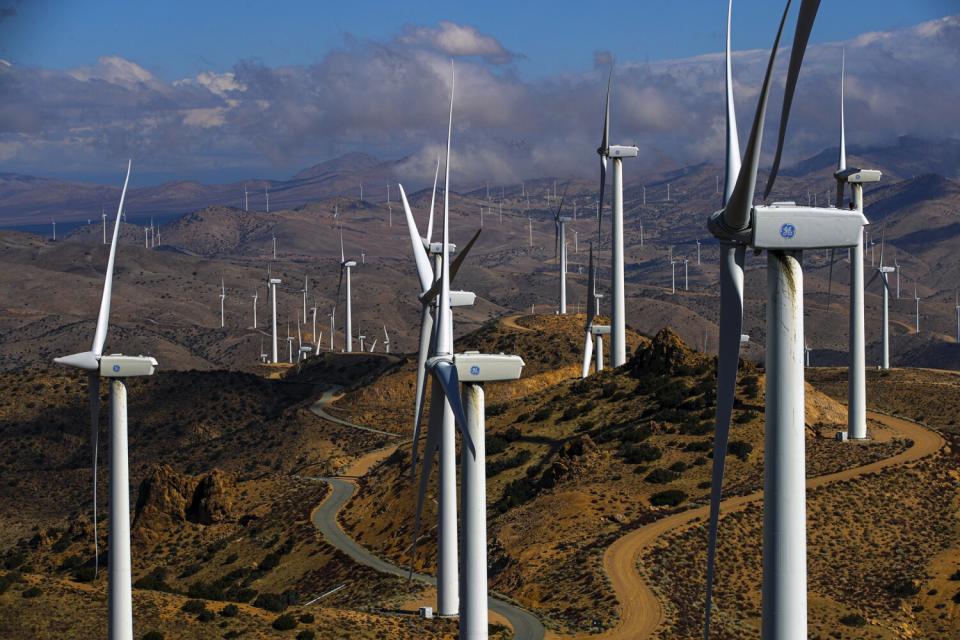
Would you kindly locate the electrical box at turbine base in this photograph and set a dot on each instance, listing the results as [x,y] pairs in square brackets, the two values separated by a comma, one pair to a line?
[787,227]
[426,613]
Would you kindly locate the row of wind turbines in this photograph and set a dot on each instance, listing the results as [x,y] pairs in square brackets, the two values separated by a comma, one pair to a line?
[782,229]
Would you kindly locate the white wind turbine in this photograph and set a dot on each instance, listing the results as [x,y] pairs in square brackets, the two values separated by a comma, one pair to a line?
[272,283]
[223,297]
[618,338]
[256,295]
[290,343]
[373,345]
[560,246]
[361,337]
[313,313]
[345,266]
[783,230]
[333,316]
[856,370]
[883,272]
[116,367]
[592,331]
[304,291]
[445,409]
[956,294]
[916,299]
[386,340]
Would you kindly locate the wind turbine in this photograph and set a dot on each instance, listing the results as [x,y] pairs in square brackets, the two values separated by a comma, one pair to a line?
[104,217]
[116,368]
[246,200]
[313,312]
[856,370]
[266,191]
[445,409]
[373,345]
[256,295]
[54,223]
[686,274]
[386,340]
[333,316]
[290,343]
[304,292]
[361,337]
[783,230]
[916,299]
[618,338]
[883,272]
[560,244]
[345,266]
[673,276]
[957,303]
[272,283]
[223,296]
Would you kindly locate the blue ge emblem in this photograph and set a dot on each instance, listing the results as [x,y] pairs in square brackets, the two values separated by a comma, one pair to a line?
[474,370]
[116,368]
[788,230]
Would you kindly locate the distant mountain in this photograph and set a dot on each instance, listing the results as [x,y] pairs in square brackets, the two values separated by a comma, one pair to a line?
[346,164]
[910,157]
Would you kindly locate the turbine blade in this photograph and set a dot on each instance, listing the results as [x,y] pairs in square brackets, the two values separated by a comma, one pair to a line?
[842,158]
[830,279]
[433,442]
[733,137]
[587,354]
[93,391]
[103,319]
[870,281]
[728,359]
[736,214]
[882,233]
[604,145]
[426,328]
[805,20]
[424,270]
[591,290]
[445,373]
[433,199]
[342,258]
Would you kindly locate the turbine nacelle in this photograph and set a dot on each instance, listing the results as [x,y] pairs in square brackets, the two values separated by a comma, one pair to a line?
[621,151]
[784,226]
[858,176]
[350,263]
[436,248]
[121,366]
[473,366]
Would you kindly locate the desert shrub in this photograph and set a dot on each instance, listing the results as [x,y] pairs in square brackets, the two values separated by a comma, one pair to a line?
[668,498]
[740,449]
[84,574]
[230,611]
[276,602]
[495,445]
[285,623]
[516,493]
[903,588]
[246,594]
[270,561]
[704,485]
[152,635]
[194,606]
[512,434]
[698,446]
[501,465]
[497,409]
[306,634]
[636,433]
[230,559]
[660,476]
[32,592]
[955,575]
[155,581]
[14,559]
[205,616]
[206,590]
[956,597]
[745,416]
[543,413]
[751,386]
[642,452]
[679,466]
[307,618]
[670,396]
[853,620]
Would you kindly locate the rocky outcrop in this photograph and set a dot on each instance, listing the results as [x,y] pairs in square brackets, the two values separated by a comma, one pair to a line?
[668,355]
[168,499]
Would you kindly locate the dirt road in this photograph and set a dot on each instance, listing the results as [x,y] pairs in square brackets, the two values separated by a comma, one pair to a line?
[640,611]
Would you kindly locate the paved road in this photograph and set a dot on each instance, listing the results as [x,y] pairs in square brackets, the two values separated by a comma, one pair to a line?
[525,625]
[328,397]
[641,612]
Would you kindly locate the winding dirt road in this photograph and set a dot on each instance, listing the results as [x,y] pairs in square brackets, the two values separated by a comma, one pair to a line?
[525,625]
[641,612]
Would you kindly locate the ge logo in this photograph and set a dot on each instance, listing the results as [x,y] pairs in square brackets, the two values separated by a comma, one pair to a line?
[116,368]
[474,370]
[788,230]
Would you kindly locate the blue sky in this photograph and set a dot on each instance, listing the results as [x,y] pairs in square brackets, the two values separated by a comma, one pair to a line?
[230,91]
[174,38]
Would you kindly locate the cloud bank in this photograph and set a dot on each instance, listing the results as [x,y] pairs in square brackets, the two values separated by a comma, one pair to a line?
[389,98]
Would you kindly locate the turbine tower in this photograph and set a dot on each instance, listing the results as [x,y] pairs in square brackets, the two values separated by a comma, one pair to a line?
[884,272]
[856,371]
[345,266]
[116,368]
[304,291]
[560,246]
[386,340]
[618,338]
[446,409]
[256,295]
[784,231]
[223,297]
[916,299]
[272,283]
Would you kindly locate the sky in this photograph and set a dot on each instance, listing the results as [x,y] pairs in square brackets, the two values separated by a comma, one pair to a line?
[223,91]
